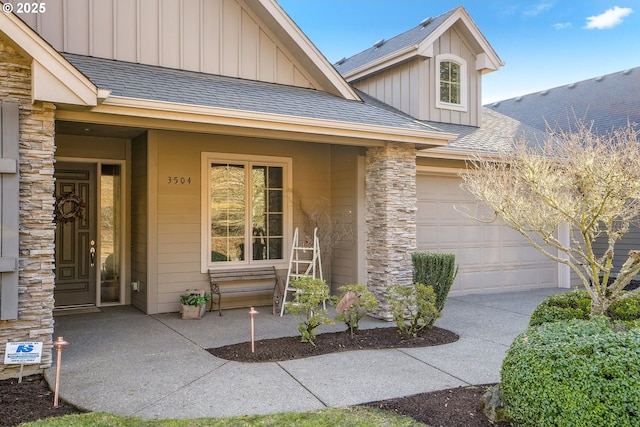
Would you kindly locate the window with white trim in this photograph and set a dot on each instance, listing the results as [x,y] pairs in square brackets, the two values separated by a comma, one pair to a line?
[246,212]
[451,86]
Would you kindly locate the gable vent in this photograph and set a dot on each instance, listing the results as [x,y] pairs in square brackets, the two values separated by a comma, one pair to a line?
[378,43]
[426,22]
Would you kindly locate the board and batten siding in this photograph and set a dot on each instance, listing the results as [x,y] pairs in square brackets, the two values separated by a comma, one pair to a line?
[411,86]
[212,36]
[178,206]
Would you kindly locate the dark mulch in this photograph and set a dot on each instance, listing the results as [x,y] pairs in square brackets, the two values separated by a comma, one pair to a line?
[29,400]
[32,399]
[457,407]
[289,348]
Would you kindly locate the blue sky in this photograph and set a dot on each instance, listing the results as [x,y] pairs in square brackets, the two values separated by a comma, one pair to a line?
[544,43]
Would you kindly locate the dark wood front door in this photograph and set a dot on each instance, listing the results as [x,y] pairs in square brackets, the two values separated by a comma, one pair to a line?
[76,235]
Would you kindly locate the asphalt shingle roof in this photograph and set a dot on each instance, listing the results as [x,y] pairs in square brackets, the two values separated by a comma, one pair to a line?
[411,37]
[608,102]
[497,132]
[155,83]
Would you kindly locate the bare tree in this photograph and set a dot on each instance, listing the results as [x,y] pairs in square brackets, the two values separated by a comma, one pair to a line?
[586,181]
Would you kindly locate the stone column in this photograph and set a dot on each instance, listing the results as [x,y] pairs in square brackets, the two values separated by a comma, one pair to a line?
[390,219]
[37,230]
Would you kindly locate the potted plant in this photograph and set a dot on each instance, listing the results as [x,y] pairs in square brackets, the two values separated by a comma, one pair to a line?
[194,303]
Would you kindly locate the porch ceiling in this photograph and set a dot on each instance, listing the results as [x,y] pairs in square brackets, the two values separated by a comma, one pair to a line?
[99,130]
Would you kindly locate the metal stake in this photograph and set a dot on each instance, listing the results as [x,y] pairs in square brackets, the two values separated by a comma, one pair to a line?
[58,344]
[252,313]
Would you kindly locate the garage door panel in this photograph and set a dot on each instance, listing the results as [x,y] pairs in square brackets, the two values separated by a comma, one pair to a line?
[491,256]
[492,234]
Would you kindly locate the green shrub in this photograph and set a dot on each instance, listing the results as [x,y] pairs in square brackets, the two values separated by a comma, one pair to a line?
[310,294]
[413,308]
[437,270]
[626,310]
[577,305]
[571,305]
[573,373]
[362,304]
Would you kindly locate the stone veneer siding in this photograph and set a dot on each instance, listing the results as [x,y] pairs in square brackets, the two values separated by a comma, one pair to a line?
[37,231]
[390,219]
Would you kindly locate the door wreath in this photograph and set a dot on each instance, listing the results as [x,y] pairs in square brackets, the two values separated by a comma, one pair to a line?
[70,213]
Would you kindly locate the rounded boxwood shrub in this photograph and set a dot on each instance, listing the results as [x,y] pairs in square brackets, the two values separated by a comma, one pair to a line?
[577,305]
[573,373]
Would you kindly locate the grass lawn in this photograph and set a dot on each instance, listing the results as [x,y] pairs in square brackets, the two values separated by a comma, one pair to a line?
[344,417]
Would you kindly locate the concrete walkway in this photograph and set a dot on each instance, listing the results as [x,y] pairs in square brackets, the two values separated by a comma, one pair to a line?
[124,362]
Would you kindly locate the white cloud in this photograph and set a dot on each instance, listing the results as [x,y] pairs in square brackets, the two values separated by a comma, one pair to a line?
[537,9]
[562,25]
[609,19]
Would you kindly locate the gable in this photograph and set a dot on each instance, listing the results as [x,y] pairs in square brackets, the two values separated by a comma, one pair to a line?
[53,79]
[235,38]
[412,86]
[419,42]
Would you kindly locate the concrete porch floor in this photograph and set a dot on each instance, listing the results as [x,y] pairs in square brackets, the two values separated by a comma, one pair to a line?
[155,366]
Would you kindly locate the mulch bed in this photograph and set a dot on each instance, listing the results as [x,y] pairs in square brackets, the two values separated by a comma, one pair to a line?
[289,348]
[29,401]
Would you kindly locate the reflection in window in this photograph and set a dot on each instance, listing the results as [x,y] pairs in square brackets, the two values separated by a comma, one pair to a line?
[450,82]
[227,212]
[246,211]
[110,183]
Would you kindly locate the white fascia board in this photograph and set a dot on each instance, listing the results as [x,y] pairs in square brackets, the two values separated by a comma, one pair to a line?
[330,74]
[456,154]
[382,63]
[422,138]
[54,78]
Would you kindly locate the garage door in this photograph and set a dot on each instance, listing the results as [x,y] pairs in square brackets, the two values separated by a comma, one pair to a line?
[491,256]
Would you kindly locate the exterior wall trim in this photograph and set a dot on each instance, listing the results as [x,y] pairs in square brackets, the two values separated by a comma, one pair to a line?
[9,209]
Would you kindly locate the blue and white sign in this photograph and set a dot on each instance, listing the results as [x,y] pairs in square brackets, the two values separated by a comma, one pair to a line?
[22,353]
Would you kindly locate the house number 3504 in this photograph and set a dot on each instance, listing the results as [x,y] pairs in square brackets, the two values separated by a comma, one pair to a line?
[179,180]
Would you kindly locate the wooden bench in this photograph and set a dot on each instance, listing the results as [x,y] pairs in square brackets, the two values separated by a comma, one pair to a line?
[218,276]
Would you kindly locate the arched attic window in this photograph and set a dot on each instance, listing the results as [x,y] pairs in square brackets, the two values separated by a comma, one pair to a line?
[451,86]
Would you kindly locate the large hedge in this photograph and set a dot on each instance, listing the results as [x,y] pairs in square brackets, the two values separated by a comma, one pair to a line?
[577,305]
[573,373]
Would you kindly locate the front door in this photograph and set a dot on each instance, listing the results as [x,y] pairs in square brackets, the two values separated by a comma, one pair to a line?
[76,234]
